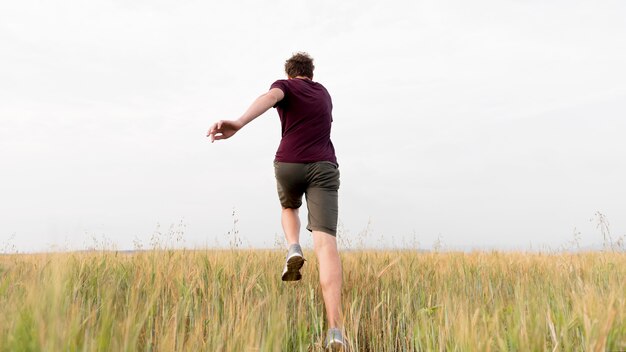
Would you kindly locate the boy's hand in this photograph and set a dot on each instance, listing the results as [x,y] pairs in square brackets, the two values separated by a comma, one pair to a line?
[223,129]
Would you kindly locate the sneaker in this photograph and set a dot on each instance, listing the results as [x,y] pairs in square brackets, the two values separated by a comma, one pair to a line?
[334,341]
[295,261]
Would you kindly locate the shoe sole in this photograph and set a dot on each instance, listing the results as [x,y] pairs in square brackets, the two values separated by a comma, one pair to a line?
[336,346]
[294,264]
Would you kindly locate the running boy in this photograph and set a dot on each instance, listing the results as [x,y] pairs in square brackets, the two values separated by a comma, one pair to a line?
[305,164]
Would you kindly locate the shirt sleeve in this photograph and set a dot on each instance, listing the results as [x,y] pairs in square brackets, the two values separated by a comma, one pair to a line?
[282,85]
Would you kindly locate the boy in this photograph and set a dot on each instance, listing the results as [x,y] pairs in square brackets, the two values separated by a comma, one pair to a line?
[305,163]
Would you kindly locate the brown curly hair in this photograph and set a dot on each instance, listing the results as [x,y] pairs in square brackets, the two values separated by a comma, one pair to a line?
[300,64]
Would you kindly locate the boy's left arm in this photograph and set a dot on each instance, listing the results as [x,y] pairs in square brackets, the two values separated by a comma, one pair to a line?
[224,129]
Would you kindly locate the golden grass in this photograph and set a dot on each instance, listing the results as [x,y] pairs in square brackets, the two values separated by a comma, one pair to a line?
[235,301]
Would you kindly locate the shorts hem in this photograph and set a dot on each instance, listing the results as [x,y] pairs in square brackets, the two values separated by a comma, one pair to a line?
[322,229]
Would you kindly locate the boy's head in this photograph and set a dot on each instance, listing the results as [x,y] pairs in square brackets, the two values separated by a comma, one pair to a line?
[300,64]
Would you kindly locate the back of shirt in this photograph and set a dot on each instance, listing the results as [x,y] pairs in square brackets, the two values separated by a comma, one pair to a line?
[306,117]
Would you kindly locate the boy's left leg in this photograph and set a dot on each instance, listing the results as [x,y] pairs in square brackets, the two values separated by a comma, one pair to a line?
[295,258]
[291,184]
[291,225]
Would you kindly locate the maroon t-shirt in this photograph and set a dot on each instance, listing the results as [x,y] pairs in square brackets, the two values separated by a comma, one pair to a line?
[305,117]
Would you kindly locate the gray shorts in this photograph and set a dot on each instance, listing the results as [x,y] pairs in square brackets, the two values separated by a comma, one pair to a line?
[319,182]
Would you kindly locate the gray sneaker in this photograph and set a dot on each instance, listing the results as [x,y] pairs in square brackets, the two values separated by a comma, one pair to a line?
[334,341]
[295,261]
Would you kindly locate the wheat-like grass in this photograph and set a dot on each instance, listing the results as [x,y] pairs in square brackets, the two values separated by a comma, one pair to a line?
[233,300]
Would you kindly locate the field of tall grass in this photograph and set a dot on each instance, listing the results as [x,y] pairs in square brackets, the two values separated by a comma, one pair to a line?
[233,300]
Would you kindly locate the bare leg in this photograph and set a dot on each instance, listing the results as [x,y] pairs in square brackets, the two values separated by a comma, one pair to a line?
[330,275]
[291,225]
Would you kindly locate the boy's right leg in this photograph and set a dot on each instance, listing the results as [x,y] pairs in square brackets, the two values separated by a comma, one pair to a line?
[330,275]
[330,280]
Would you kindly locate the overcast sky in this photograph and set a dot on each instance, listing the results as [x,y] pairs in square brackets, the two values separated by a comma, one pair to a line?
[484,124]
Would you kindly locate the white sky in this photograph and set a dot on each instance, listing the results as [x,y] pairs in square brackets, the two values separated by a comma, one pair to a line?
[488,124]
